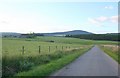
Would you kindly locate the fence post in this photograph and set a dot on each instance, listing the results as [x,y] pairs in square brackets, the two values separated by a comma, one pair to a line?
[39,49]
[62,47]
[56,47]
[49,48]
[23,49]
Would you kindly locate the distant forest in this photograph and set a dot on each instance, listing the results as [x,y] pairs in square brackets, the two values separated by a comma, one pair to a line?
[110,37]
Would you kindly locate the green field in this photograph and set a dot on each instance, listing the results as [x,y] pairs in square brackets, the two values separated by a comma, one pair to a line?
[14,46]
[15,61]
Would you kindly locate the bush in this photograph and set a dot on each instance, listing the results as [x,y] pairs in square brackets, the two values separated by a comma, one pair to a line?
[25,65]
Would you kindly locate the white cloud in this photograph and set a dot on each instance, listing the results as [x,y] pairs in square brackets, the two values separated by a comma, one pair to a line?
[99,21]
[109,7]
[102,19]
[93,21]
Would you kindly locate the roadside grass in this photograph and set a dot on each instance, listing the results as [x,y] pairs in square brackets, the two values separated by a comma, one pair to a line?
[112,51]
[13,65]
[47,69]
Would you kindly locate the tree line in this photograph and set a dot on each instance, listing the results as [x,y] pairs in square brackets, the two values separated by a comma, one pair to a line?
[110,37]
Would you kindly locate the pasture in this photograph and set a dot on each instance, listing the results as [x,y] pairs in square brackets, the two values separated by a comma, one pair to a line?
[14,47]
[40,51]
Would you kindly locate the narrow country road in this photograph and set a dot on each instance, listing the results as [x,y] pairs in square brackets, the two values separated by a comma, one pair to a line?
[93,63]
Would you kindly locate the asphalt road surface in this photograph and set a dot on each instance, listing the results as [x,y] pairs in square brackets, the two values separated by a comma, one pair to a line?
[93,63]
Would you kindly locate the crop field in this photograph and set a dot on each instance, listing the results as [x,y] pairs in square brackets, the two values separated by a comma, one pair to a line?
[22,54]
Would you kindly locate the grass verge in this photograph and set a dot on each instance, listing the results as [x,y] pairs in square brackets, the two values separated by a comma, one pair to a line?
[47,69]
[111,53]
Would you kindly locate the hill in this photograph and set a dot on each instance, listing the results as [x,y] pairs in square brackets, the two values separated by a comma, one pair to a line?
[10,34]
[74,32]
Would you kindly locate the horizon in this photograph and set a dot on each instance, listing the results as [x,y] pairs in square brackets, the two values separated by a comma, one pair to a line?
[48,17]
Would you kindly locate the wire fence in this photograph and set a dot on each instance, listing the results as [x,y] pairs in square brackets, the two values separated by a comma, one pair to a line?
[33,50]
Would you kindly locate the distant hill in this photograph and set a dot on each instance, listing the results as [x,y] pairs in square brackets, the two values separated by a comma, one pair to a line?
[10,34]
[74,32]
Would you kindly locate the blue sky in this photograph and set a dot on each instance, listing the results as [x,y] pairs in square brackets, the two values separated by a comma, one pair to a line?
[24,17]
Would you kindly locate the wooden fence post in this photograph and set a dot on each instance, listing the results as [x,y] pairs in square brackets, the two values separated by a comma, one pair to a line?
[23,49]
[56,47]
[62,47]
[49,48]
[39,49]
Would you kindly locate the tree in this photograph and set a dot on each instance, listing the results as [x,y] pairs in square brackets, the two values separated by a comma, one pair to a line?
[31,35]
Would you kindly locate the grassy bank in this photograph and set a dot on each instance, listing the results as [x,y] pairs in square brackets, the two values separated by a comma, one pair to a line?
[111,50]
[14,65]
[47,69]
